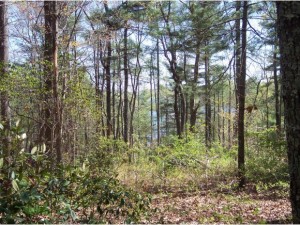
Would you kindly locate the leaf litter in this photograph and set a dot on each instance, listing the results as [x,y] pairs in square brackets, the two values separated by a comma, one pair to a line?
[218,206]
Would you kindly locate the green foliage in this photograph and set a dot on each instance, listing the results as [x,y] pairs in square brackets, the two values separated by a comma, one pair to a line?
[178,162]
[179,153]
[33,192]
[267,157]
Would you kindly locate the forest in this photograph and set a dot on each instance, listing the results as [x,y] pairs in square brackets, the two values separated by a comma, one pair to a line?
[149,112]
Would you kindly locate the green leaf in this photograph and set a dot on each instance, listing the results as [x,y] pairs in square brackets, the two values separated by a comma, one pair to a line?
[15,185]
[34,150]
[1,126]
[122,203]
[66,183]
[1,163]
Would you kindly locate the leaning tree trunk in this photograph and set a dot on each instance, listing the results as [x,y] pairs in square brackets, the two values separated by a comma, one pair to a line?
[289,42]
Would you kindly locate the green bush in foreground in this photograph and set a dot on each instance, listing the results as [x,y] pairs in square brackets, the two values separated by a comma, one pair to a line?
[31,191]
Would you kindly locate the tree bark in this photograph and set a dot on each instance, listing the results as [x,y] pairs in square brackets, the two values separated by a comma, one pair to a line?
[194,107]
[288,14]
[5,111]
[237,66]
[241,100]
[158,93]
[276,87]
[108,89]
[208,126]
[171,56]
[107,65]
[126,102]
[52,111]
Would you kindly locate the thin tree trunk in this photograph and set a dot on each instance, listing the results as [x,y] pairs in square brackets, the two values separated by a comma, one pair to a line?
[223,119]
[158,93]
[219,119]
[126,102]
[213,122]
[208,127]
[267,103]
[125,112]
[151,105]
[229,113]
[194,107]
[135,79]
[108,89]
[276,86]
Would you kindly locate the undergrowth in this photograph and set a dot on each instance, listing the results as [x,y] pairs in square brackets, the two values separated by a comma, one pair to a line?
[85,191]
[188,164]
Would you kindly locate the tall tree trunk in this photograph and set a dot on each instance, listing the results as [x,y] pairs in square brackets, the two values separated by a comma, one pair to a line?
[108,89]
[229,114]
[288,14]
[135,79]
[267,103]
[219,118]
[208,127]
[119,116]
[114,104]
[96,59]
[237,67]
[5,111]
[194,107]
[276,87]
[158,93]
[179,103]
[223,119]
[52,127]
[107,65]
[151,104]
[126,101]
[241,100]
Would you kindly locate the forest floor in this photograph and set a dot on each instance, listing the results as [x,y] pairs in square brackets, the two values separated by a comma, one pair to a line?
[218,205]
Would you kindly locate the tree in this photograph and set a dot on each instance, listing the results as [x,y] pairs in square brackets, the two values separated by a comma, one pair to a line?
[5,111]
[108,78]
[51,130]
[288,14]
[170,44]
[241,88]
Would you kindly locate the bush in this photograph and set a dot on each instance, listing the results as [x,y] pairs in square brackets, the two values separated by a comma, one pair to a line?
[267,157]
[32,192]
